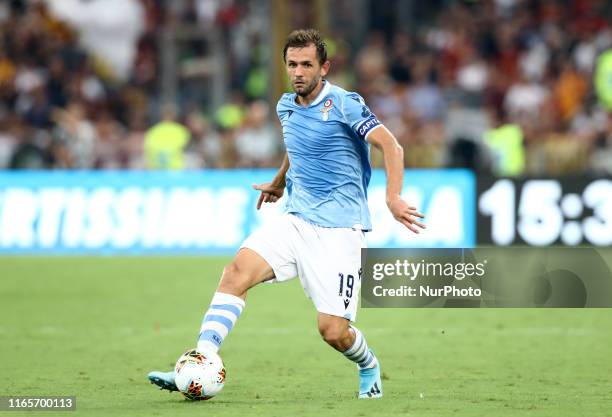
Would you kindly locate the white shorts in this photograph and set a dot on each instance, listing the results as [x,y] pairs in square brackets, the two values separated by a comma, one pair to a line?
[327,260]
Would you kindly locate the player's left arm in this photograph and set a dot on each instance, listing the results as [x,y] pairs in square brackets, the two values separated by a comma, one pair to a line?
[393,155]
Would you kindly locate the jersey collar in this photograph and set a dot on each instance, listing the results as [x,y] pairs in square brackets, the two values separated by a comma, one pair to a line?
[324,91]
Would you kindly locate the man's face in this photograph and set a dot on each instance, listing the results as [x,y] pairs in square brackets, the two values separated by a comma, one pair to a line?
[304,70]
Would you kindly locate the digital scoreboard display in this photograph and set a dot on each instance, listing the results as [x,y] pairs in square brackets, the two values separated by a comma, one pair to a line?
[544,212]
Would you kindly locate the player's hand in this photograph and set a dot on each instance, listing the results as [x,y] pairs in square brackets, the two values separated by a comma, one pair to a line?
[270,192]
[406,214]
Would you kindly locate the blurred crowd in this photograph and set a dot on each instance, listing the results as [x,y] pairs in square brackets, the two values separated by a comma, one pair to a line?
[507,86]
[62,107]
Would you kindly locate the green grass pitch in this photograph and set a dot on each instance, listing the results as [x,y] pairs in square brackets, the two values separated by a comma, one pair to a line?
[94,328]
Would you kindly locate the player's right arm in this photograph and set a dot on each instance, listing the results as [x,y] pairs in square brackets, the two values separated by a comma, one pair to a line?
[272,191]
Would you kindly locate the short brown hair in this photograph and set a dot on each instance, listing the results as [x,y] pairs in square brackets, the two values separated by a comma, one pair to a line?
[302,38]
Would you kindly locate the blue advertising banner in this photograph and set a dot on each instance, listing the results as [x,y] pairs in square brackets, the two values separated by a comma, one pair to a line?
[198,212]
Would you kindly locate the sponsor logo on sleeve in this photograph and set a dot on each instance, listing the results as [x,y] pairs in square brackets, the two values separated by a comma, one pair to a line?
[365,112]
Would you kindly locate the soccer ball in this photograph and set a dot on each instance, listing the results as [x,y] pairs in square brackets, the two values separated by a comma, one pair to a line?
[199,375]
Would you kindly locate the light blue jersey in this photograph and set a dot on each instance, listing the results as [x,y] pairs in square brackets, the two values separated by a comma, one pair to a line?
[329,157]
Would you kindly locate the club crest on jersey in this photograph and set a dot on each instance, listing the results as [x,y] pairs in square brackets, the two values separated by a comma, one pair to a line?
[327,106]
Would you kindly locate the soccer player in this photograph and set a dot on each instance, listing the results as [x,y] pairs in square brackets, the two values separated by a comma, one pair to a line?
[327,132]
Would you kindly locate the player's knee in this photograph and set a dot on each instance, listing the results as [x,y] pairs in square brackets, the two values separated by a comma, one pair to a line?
[333,333]
[234,279]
